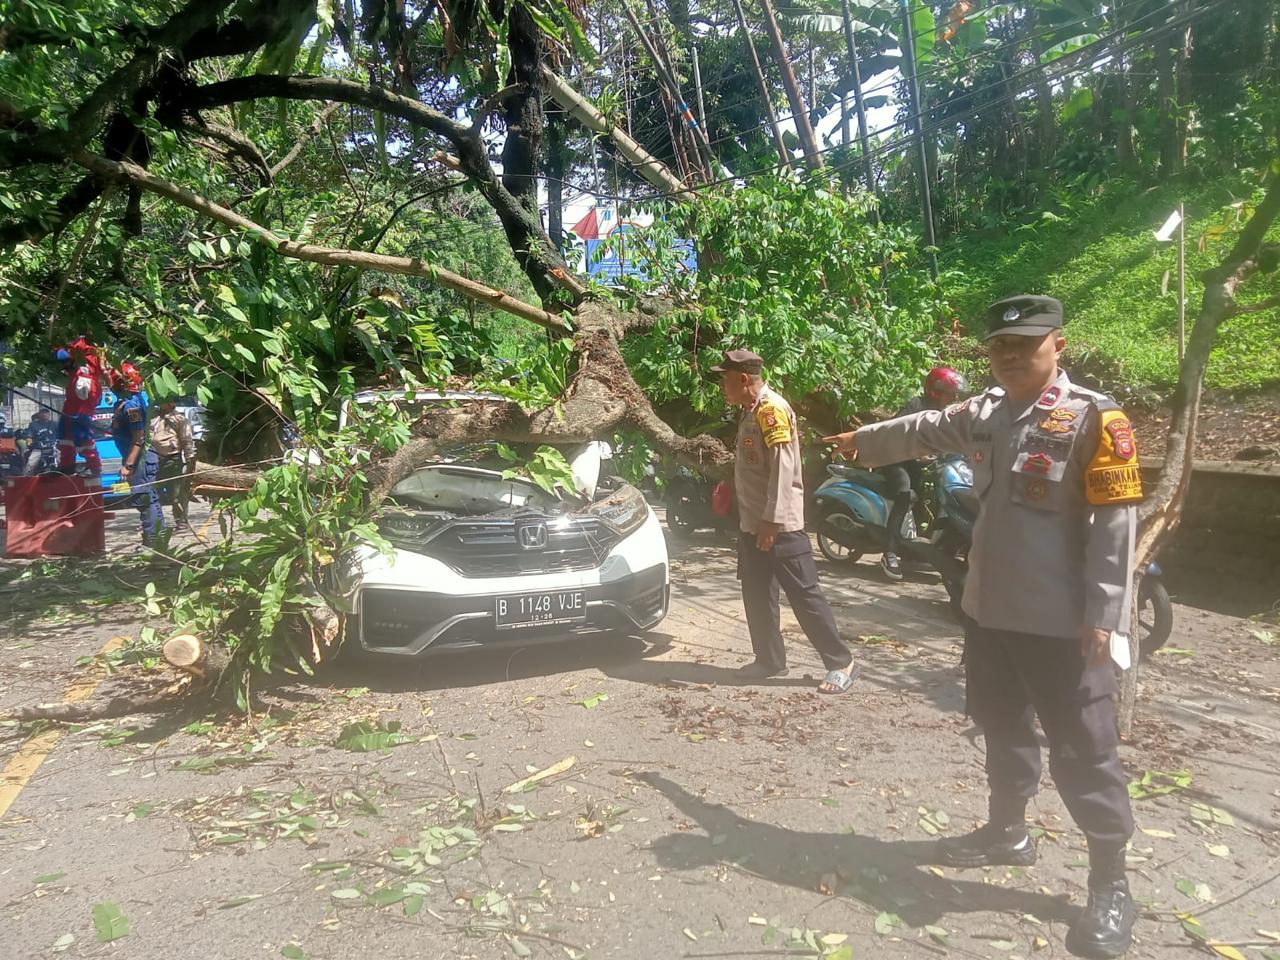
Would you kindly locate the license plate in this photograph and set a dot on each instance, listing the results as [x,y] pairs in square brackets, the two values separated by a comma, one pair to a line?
[539,609]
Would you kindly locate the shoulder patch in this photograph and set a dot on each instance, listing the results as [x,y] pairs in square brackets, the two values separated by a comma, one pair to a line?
[1113,476]
[774,423]
[134,412]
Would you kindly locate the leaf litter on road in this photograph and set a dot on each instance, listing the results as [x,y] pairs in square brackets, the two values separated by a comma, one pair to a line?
[109,922]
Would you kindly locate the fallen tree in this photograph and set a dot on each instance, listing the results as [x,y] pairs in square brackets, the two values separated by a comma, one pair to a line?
[249,191]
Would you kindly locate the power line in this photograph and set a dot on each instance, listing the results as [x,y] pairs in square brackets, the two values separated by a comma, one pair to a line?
[1100,42]
[923,75]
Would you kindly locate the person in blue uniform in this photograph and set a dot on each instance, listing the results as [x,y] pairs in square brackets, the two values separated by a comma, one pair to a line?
[139,467]
[42,444]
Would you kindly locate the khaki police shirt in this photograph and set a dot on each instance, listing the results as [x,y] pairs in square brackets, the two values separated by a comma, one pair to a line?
[171,435]
[767,470]
[1057,482]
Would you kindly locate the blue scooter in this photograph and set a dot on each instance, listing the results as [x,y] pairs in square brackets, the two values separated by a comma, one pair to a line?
[853,507]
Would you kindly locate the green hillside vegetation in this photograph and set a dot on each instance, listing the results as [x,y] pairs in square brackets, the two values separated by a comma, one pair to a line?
[1099,256]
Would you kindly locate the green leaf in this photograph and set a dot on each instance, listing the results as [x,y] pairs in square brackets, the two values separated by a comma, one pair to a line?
[885,922]
[291,951]
[364,737]
[1080,101]
[50,877]
[346,893]
[925,28]
[387,896]
[938,934]
[1156,783]
[109,922]
[592,702]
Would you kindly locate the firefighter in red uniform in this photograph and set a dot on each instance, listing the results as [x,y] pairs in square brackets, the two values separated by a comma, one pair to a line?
[84,393]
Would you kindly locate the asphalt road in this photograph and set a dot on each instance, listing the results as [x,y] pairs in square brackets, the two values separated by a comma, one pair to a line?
[700,817]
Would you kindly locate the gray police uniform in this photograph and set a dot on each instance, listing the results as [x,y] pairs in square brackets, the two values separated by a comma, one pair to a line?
[769,488]
[1052,554]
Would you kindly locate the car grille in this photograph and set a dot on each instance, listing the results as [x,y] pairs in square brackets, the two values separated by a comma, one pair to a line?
[493,549]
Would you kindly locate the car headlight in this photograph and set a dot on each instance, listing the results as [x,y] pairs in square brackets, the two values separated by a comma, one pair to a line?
[403,527]
[624,510]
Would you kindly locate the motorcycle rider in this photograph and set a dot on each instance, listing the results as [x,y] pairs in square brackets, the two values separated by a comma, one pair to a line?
[942,387]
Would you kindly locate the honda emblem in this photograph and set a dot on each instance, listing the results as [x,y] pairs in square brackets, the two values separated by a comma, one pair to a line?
[532,536]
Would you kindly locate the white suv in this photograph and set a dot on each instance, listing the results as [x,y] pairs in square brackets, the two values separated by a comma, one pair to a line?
[479,559]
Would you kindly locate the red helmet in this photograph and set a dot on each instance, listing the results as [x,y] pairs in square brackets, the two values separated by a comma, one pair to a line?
[126,379]
[942,385]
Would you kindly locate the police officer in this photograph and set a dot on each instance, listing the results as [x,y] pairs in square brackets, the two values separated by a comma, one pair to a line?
[175,447]
[942,385]
[1056,470]
[139,467]
[773,547]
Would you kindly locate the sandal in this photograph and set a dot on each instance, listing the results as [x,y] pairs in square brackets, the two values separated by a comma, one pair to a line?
[841,680]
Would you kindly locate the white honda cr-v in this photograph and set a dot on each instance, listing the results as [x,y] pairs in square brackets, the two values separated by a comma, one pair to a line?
[480,558]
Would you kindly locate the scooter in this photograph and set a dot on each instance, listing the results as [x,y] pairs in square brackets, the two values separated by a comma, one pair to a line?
[853,512]
[853,505]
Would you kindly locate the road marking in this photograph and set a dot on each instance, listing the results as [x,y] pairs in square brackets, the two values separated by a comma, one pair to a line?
[19,771]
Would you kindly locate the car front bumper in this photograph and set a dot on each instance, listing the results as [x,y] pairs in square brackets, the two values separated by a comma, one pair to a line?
[410,604]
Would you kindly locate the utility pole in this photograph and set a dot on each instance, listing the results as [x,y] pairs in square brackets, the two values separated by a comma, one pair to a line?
[798,111]
[1182,282]
[668,78]
[850,41]
[697,88]
[784,154]
[909,67]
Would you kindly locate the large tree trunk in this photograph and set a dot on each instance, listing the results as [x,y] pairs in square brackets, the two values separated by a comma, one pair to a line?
[1160,515]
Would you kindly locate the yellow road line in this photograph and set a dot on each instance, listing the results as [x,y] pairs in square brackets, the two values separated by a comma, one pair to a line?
[18,772]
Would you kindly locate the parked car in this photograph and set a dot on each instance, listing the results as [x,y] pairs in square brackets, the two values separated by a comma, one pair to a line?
[478,557]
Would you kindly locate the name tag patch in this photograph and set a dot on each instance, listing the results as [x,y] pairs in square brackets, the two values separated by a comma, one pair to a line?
[1106,485]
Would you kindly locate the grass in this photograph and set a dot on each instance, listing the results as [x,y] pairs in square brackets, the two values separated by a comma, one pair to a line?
[1102,261]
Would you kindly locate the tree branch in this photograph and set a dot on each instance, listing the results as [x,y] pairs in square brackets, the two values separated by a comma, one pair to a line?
[409,266]
[236,143]
[303,139]
[1258,307]
[533,249]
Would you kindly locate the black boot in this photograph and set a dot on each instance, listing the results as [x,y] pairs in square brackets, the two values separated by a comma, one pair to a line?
[1105,928]
[990,845]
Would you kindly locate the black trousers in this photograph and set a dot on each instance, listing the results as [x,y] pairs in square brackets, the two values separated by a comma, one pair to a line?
[1010,678]
[789,563]
[903,479]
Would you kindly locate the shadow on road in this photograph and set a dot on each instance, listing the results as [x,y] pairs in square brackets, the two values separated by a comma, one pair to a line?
[884,875]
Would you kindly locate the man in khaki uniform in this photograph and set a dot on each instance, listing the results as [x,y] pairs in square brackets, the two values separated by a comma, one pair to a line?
[773,548]
[175,445]
[1050,570]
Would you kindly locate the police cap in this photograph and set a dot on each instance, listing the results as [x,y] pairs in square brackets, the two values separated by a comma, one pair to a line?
[1023,316]
[740,361]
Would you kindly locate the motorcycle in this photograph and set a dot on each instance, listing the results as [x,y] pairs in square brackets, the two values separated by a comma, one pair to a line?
[853,511]
[689,501]
[853,507]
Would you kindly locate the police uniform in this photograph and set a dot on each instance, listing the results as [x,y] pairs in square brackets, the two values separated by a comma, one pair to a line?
[129,429]
[769,488]
[175,449]
[1052,555]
